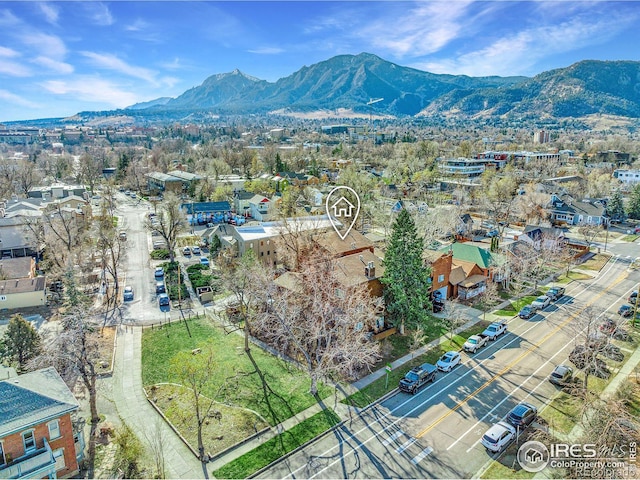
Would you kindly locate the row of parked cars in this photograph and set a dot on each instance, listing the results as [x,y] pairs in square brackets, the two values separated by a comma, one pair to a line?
[542,302]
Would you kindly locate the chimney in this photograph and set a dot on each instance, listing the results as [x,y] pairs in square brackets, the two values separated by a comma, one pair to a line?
[370,270]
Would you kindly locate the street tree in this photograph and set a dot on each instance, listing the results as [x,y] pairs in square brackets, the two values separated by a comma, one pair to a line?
[633,206]
[313,317]
[615,207]
[20,342]
[170,223]
[406,278]
[193,371]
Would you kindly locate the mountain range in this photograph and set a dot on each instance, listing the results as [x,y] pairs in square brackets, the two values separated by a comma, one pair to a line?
[353,81]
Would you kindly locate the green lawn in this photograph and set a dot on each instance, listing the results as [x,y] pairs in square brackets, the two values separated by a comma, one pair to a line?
[630,238]
[515,306]
[596,262]
[278,446]
[380,387]
[563,279]
[243,388]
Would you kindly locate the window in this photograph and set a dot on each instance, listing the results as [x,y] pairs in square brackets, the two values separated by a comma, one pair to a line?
[441,278]
[54,429]
[262,254]
[59,456]
[29,441]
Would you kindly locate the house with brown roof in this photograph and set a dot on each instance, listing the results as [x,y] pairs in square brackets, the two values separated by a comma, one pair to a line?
[22,293]
[471,268]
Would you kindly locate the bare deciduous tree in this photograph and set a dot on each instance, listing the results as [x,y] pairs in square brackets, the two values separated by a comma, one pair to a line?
[170,223]
[319,321]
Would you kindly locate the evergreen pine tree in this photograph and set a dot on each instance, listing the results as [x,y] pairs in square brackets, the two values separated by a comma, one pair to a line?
[406,278]
[21,342]
[615,207]
[633,208]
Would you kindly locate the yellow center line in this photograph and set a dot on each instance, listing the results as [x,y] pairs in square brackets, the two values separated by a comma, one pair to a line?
[622,276]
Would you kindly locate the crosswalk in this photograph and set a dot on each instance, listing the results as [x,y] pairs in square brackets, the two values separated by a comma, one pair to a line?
[392,439]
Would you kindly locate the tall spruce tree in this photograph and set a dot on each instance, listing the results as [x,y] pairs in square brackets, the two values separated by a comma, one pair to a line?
[615,208]
[20,343]
[406,278]
[633,207]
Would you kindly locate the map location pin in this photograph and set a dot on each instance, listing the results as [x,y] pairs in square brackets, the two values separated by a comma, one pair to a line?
[343,207]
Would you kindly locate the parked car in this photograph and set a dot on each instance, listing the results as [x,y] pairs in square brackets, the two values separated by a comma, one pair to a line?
[561,375]
[195,250]
[160,287]
[555,293]
[127,294]
[633,297]
[613,330]
[626,311]
[163,300]
[527,311]
[498,437]
[204,261]
[448,361]
[522,415]
[475,343]
[541,302]
[186,251]
[159,273]
[494,330]
[417,377]
[123,236]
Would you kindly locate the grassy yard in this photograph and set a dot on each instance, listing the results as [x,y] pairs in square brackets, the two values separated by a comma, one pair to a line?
[515,306]
[629,238]
[563,279]
[233,369]
[278,446]
[379,387]
[596,262]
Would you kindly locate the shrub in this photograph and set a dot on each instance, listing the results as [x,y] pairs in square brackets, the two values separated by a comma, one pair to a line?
[161,254]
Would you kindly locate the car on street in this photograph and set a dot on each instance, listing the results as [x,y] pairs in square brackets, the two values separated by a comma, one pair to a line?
[633,297]
[186,251]
[475,343]
[527,311]
[555,293]
[127,294]
[494,330]
[448,361]
[195,250]
[561,375]
[159,272]
[160,287]
[498,437]
[541,302]
[626,311]
[204,261]
[522,415]
[163,300]
[417,377]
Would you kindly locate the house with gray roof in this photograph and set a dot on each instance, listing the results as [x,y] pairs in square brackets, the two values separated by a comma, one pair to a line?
[37,437]
[566,209]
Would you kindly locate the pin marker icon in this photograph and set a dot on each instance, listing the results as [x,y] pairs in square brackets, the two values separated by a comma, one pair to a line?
[343,207]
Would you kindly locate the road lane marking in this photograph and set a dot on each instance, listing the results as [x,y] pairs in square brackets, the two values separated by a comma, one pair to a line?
[367,427]
[524,354]
[392,438]
[418,458]
[406,445]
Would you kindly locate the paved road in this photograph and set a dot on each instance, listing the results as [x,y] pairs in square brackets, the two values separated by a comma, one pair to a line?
[436,433]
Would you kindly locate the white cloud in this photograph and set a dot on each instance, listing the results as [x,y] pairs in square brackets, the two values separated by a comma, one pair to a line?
[8,52]
[518,53]
[92,89]
[111,62]
[44,44]
[8,19]
[14,69]
[99,13]
[51,12]
[137,26]
[17,100]
[266,50]
[54,65]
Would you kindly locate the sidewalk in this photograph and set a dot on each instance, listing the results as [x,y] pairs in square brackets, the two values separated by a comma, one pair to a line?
[344,411]
[134,409]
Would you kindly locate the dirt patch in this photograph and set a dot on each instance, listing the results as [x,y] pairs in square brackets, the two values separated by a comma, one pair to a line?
[226,425]
[106,338]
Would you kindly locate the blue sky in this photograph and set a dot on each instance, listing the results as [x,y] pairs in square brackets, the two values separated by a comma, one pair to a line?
[59,58]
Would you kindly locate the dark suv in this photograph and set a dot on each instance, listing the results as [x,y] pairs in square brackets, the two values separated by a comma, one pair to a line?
[522,415]
[417,377]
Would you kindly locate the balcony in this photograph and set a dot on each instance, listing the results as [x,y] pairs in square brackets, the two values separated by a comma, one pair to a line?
[38,464]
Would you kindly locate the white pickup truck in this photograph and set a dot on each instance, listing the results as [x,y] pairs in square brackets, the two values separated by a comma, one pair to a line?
[494,330]
[475,343]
